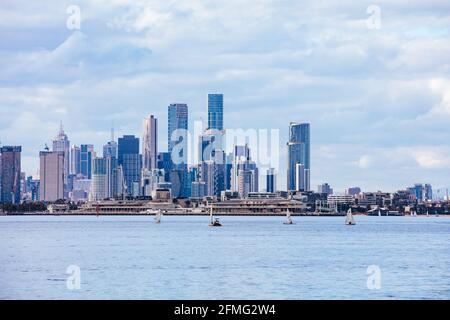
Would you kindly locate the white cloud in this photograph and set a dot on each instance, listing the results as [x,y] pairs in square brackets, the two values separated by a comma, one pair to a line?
[374,98]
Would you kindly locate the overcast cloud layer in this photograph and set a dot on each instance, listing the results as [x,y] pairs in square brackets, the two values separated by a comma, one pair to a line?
[378,100]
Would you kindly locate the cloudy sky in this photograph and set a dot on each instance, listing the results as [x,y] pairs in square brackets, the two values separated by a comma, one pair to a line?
[378,99]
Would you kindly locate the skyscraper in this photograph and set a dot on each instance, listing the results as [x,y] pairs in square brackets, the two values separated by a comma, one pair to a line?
[75,160]
[10,173]
[87,153]
[177,146]
[271,180]
[99,187]
[244,173]
[177,120]
[110,149]
[213,175]
[324,188]
[131,162]
[62,144]
[149,142]
[110,155]
[215,111]
[298,172]
[51,176]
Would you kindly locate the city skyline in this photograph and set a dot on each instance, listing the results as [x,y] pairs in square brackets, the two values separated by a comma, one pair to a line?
[378,107]
[298,133]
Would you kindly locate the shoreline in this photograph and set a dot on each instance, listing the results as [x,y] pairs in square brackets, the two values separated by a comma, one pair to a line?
[207,214]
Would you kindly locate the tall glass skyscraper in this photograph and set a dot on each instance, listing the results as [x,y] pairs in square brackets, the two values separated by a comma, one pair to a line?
[130,160]
[299,164]
[75,160]
[177,135]
[87,153]
[215,111]
[177,119]
[10,174]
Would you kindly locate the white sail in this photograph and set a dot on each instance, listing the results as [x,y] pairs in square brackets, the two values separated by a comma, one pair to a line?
[158,216]
[349,220]
[288,217]
[211,214]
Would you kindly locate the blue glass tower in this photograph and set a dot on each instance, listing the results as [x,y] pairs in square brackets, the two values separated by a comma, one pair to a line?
[299,164]
[177,136]
[215,111]
[86,157]
[177,119]
[130,160]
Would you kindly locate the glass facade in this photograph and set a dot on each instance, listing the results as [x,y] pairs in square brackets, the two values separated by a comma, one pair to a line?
[177,119]
[130,160]
[215,111]
[10,157]
[86,156]
[299,153]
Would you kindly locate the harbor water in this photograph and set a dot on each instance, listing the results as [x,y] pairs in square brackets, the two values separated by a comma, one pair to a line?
[131,257]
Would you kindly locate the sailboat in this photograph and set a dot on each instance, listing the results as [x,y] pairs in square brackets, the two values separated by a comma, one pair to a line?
[158,216]
[349,219]
[288,218]
[214,222]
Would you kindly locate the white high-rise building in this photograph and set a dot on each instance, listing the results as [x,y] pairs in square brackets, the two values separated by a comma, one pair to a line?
[244,173]
[62,144]
[99,187]
[150,143]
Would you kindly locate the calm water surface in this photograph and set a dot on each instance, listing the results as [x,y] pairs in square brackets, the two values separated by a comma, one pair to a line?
[248,258]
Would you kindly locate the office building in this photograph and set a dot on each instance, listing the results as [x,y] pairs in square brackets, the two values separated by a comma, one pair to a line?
[177,129]
[215,111]
[271,183]
[51,174]
[62,144]
[352,191]
[131,162]
[325,188]
[149,142]
[87,153]
[298,173]
[244,173]
[99,186]
[10,173]
[75,160]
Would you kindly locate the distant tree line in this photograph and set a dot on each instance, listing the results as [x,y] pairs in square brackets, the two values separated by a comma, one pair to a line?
[24,207]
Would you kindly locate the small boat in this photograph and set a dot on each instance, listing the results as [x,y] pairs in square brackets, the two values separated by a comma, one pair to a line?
[349,220]
[156,213]
[288,218]
[214,221]
[414,214]
[158,216]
